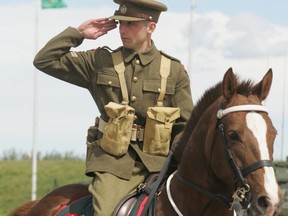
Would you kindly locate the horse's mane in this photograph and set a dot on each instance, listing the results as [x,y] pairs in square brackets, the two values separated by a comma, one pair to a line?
[209,97]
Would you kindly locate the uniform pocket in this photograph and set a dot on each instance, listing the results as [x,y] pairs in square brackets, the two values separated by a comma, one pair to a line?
[151,89]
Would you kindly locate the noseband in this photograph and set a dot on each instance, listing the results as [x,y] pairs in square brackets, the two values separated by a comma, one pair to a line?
[242,193]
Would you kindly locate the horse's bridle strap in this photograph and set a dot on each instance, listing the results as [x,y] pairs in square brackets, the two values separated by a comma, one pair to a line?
[221,198]
[221,113]
[255,166]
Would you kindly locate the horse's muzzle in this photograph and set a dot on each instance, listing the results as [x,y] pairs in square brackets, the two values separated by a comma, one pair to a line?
[263,207]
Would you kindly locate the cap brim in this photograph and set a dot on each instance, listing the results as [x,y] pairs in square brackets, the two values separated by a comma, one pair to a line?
[126,18]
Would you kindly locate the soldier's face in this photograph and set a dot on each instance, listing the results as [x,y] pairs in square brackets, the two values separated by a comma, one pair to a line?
[135,35]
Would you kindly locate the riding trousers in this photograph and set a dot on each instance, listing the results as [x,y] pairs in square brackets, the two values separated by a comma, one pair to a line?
[108,189]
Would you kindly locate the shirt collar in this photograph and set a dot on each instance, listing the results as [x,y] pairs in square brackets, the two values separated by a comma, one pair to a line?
[145,58]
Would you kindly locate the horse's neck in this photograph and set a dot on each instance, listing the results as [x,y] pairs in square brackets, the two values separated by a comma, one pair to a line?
[195,167]
[195,161]
[196,158]
[187,202]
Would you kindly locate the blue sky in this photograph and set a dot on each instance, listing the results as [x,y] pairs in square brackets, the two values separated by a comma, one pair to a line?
[274,10]
[248,35]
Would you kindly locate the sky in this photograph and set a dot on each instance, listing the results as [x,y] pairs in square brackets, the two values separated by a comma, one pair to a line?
[250,36]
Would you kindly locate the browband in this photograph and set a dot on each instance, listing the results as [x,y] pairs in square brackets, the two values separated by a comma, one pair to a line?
[221,113]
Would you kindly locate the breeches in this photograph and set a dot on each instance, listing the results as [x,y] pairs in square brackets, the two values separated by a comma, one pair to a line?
[108,190]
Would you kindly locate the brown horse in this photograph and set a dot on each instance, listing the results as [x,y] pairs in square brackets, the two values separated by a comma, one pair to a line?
[225,157]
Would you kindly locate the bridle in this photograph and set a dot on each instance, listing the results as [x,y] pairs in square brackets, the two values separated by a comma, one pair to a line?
[242,194]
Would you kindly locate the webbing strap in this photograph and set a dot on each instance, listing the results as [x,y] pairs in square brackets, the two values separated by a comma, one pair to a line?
[120,69]
[164,73]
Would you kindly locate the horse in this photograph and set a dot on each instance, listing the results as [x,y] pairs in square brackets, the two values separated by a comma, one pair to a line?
[224,159]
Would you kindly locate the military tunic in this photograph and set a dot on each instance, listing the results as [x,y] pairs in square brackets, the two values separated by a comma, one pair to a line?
[94,70]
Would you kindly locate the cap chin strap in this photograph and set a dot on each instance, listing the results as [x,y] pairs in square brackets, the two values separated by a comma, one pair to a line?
[221,113]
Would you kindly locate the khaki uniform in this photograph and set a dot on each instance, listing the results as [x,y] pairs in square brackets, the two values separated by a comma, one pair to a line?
[94,70]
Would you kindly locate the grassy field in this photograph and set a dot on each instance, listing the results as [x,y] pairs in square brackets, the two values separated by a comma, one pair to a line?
[15,179]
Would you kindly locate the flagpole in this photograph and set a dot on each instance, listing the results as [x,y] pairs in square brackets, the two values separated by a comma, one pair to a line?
[35,110]
[284,107]
[192,7]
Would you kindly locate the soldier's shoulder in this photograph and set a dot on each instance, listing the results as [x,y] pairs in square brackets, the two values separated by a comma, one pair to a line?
[177,62]
[170,57]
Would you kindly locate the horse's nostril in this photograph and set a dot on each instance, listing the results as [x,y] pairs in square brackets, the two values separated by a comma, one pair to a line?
[264,202]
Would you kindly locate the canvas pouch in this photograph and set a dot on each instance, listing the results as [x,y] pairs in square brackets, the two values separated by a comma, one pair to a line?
[158,128]
[117,133]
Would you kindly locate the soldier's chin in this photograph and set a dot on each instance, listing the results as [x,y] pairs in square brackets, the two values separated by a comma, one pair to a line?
[127,44]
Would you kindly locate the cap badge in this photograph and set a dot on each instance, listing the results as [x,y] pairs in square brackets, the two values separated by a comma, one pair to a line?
[123,9]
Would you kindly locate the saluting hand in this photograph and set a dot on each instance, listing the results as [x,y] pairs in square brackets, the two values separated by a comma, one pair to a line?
[94,28]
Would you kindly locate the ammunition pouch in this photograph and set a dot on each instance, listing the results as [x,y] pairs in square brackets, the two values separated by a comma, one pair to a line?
[158,128]
[117,133]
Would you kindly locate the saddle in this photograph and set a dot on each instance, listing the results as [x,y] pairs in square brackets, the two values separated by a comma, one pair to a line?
[133,204]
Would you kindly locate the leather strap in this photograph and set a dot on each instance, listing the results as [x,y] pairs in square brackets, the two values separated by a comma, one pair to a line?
[255,166]
[120,69]
[153,192]
[102,125]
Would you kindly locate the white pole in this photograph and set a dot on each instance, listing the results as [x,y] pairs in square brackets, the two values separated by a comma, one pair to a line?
[190,36]
[35,110]
[283,108]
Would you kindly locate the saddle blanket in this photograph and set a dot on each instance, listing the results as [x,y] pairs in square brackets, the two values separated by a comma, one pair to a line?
[82,206]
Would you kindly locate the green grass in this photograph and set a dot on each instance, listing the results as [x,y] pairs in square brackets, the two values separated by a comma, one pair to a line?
[15,179]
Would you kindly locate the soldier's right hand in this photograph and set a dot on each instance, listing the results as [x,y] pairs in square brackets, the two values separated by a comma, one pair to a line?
[95,28]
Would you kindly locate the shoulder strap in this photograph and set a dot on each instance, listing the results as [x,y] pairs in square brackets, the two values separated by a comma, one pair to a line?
[120,69]
[164,73]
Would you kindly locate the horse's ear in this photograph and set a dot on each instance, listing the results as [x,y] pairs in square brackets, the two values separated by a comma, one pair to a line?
[229,84]
[262,89]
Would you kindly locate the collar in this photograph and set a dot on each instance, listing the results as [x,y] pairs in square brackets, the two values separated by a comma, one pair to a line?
[145,58]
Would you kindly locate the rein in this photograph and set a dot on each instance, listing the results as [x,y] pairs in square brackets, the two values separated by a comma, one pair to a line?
[242,194]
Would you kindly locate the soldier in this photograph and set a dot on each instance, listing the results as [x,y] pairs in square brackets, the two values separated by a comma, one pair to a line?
[132,137]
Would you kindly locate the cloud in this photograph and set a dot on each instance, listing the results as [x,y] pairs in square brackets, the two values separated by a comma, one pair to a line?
[243,36]
[257,37]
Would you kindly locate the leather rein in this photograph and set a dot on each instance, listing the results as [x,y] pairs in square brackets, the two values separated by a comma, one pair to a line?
[242,193]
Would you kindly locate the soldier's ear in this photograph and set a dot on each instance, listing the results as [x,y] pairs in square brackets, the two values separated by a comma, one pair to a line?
[151,27]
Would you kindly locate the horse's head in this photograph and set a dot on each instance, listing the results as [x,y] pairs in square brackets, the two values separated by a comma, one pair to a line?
[247,134]
[227,148]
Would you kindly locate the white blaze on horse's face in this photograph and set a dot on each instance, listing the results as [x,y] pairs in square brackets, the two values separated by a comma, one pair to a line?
[257,124]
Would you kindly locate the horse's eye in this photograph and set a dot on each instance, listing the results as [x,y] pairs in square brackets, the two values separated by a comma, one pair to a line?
[234,136]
